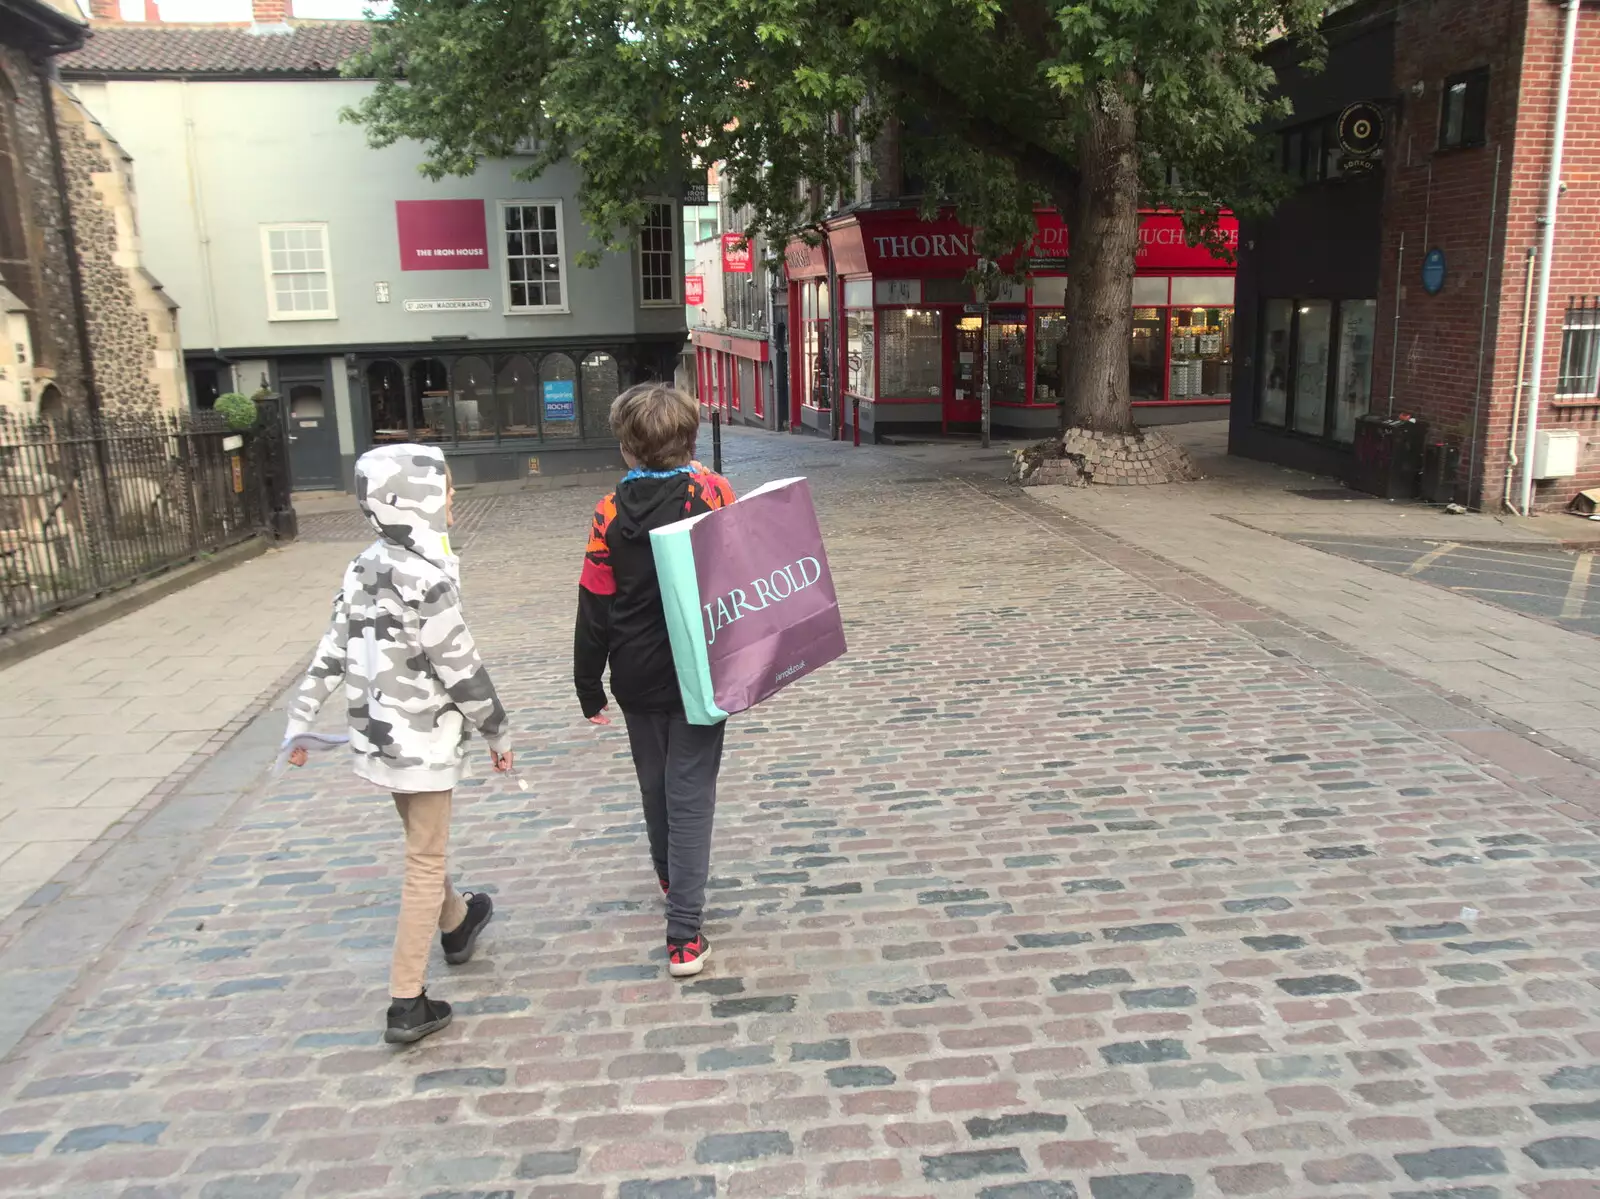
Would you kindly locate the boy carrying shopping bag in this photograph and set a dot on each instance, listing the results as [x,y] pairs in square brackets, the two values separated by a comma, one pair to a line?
[414,688]
[620,621]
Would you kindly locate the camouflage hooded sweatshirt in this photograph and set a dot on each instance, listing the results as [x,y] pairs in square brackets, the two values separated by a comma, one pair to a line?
[413,682]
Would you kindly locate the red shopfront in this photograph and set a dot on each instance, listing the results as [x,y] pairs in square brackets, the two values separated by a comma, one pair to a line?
[915,348]
[733,376]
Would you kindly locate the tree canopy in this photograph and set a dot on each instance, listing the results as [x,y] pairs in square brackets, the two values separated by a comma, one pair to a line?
[1093,106]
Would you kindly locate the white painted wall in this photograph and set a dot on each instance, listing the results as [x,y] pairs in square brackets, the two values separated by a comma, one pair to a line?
[214,161]
[708,262]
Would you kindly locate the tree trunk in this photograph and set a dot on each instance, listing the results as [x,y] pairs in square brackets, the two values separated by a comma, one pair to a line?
[1104,240]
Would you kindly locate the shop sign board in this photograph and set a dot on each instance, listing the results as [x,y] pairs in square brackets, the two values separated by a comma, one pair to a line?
[442,235]
[737,258]
[694,290]
[901,245]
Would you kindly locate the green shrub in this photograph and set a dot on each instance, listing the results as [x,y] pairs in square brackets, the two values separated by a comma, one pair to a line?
[238,410]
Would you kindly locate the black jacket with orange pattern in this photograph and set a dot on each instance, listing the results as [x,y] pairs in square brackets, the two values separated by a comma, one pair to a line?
[620,618]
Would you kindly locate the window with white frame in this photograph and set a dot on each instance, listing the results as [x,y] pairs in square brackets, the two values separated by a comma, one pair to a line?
[658,256]
[299,272]
[1579,377]
[535,272]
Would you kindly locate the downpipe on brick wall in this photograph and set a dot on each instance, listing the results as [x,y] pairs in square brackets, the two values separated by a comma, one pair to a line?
[1552,198]
[1394,342]
[1483,333]
[1516,396]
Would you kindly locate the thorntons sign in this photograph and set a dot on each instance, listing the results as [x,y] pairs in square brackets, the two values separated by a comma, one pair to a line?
[925,245]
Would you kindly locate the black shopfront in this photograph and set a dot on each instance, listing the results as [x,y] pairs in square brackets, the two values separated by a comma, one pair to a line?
[1307,322]
[501,412]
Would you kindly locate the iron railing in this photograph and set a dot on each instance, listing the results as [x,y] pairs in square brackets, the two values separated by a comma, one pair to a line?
[88,505]
[1579,376]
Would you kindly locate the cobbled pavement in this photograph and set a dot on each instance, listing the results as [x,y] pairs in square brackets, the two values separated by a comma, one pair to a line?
[1058,885]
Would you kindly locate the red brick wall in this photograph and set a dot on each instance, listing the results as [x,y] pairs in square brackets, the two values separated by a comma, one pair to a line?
[1575,265]
[1442,198]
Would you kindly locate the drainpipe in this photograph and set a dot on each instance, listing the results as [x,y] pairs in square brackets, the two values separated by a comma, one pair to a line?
[1552,197]
[197,203]
[1516,396]
[1483,338]
[1399,287]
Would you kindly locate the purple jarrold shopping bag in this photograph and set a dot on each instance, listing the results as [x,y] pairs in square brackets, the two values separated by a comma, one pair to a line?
[749,601]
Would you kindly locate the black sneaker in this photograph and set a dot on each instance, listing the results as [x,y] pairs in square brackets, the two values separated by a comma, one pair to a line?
[685,959]
[460,941]
[412,1019]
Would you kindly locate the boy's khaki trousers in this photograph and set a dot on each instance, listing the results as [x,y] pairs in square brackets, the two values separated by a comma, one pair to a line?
[427,901]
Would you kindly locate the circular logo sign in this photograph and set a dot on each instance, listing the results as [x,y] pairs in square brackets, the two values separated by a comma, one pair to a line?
[1361,129]
[1433,271]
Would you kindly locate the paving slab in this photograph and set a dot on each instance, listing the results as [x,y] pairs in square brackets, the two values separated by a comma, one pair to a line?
[98,722]
[1246,528]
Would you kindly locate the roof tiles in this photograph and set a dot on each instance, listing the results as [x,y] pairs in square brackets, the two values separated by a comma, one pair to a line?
[310,49]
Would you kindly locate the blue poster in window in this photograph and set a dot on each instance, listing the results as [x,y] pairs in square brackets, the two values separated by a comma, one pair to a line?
[560,400]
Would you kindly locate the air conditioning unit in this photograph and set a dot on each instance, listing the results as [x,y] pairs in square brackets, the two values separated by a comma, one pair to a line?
[1555,454]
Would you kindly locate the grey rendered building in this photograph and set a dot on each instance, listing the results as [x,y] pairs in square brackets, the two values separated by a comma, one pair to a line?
[381,305]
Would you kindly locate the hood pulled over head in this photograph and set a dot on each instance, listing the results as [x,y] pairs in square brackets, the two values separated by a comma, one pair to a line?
[402,490]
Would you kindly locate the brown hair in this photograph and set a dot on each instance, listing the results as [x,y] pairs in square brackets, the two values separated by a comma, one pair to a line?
[656,424]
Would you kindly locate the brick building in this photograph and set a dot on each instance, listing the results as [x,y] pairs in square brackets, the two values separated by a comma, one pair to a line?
[1401,288]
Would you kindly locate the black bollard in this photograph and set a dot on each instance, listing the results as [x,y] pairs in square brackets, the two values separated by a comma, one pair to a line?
[716,441]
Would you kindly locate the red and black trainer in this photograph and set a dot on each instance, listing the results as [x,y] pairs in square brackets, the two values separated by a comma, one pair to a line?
[687,958]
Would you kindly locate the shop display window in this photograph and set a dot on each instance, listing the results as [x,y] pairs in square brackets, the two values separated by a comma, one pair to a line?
[1007,357]
[1147,355]
[859,353]
[1352,397]
[1311,356]
[481,398]
[1202,353]
[816,343]
[1049,356]
[1313,352]
[1277,317]
[911,353]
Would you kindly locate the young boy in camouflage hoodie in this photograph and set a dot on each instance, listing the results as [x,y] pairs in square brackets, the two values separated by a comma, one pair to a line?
[414,688]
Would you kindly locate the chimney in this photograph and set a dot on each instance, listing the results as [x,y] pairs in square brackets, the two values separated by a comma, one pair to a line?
[105,10]
[271,12]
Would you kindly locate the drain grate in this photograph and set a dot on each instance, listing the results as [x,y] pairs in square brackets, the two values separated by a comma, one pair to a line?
[1329,493]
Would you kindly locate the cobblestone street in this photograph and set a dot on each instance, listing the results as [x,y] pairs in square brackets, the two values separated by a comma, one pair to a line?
[1067,881]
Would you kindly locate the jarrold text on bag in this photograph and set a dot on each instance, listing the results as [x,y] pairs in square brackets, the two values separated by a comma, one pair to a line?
[749,599]
[774,589]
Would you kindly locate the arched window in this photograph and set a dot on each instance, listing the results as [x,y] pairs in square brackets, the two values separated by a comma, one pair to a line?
[474,400]
[386,402]
[518,389]
[558,385]
[15,270]
[430,385]
[52,405]
[602,382]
